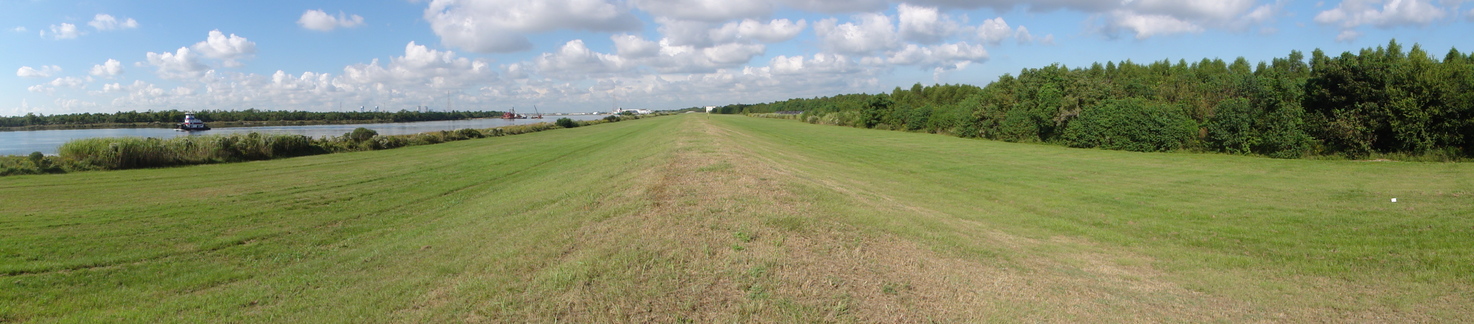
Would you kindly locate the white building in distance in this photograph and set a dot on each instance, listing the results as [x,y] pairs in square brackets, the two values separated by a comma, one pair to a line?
[636,111]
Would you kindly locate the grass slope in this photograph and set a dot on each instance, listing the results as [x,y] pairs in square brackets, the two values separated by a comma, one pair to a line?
[726,218]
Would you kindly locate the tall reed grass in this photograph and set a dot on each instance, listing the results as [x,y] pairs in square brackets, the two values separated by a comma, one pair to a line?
[139,152]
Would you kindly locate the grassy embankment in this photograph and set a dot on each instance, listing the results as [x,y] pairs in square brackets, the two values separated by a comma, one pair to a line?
[739,219]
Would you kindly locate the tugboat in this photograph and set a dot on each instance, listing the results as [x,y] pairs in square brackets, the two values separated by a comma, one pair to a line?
[191,124]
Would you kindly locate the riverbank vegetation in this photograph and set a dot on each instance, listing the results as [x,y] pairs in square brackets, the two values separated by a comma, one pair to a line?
[1381,102]
[224,118]
[118,153]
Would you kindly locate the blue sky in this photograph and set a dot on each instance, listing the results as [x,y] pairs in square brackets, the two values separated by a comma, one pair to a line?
[589,55]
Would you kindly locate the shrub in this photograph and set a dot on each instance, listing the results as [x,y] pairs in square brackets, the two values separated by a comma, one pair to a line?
[35,163]
[469,133]
[1018,126]
[1231,129]
[361,134]
[1239,127]
[876,111]
[566,123]
[38,159]
[428,138]
[389,142]
[1133,125]
[1283,134]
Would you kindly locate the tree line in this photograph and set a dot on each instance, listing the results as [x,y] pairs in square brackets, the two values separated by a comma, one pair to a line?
[248,115]
[1380,101]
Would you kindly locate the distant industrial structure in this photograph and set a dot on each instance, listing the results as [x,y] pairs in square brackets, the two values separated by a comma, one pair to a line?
[634,111]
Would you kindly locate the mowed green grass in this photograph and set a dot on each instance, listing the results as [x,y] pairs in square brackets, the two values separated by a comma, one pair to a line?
[513,228]
[1331,218]
[343,237]
[1289,230]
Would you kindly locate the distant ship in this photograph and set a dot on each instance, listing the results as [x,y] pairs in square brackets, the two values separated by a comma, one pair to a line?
[191,124]
[512,114]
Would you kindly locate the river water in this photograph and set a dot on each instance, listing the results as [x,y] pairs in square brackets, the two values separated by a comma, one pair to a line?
[48,141]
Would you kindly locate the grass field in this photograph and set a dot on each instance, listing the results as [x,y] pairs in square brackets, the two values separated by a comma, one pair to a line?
[734,219]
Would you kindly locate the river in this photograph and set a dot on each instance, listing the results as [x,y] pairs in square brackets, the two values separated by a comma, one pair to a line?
[48,141]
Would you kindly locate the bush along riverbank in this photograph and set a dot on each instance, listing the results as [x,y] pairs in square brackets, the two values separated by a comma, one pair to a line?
[118,153]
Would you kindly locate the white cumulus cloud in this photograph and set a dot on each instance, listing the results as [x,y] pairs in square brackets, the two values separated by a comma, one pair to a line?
[108,22]
[686,32]
[1149,18]
[777,30]
[420,65]
[705,10]
[634,46]
[1350,14]
[182,64]
[1148,25]
[230,49]
[488,26]
[44,72]
[63,31]
[732,54]
[576,61]
[62,82]
[823,63]
[941,57]
[107,69]
[837,6]
[873,32]
[67,81]
[322,21]
[1213,10]
[1023,36]
[1381,13]
[924,24]
[994,31]
[690,59]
